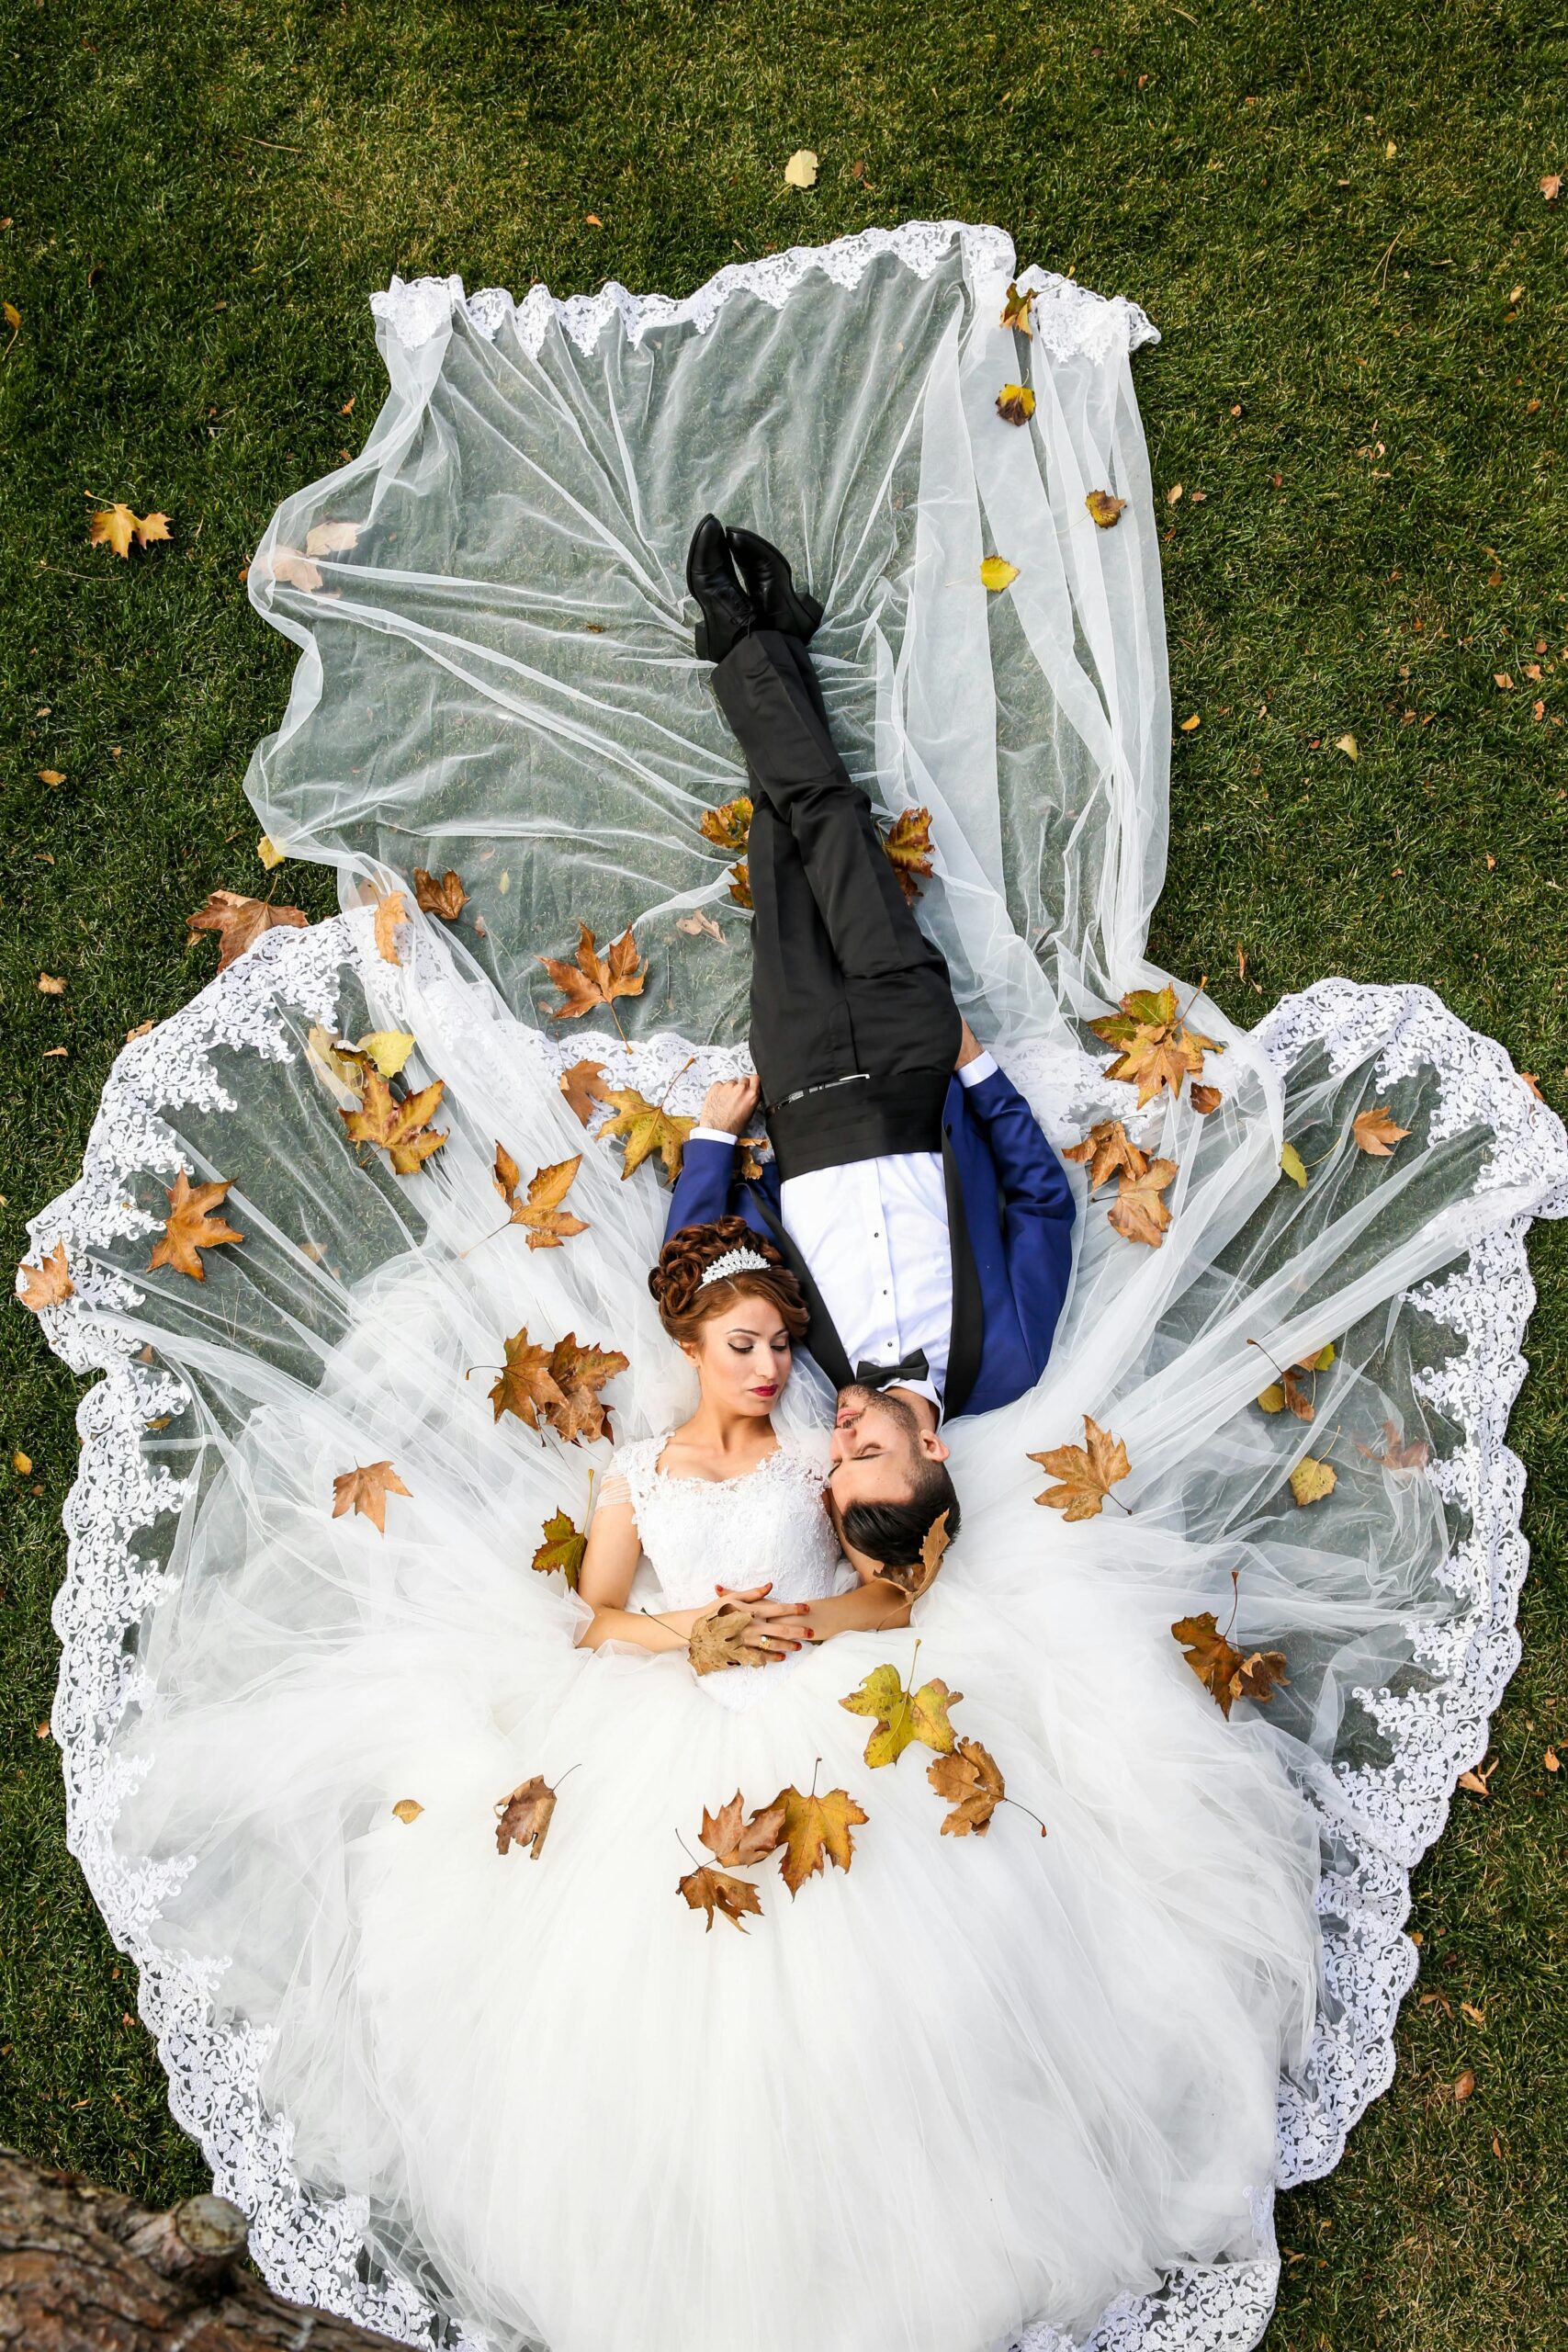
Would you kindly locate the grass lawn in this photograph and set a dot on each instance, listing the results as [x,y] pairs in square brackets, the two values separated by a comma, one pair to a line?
[1334,215]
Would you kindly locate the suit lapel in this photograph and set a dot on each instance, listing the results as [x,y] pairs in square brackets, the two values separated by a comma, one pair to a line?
[822,1336]
[968,1314]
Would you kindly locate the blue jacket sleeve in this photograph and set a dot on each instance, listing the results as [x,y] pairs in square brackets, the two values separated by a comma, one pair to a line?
[1038,1208]
[704,1190]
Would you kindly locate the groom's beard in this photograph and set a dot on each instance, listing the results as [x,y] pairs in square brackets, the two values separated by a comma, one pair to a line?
[883,1400]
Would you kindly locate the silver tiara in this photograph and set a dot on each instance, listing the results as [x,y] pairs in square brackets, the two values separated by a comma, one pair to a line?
[734,1262]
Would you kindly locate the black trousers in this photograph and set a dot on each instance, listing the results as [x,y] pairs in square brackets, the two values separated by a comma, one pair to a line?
[855,1031]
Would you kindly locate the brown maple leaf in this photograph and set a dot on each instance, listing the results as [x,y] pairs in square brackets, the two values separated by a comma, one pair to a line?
[547,1224]
[717,1893]
[364,1491]
[969,1781]
[596,980]
[580,1372]
[115,526]
[524,1817]
[817,1831]
[1396,1455]
[723,1637]
[239,921]
[1108,1150]
[527,1384]
[1376,1134]
[1222,1668]
[1156,1049]
[1205,1099]
[580,1086]
[1087,1471]
[729,827]
[907,842]
[391,912]
[398,1126]
[1138,1213]
[562,1548]
[741,882]
[446,897]
[645,1128]
[48,1285]
[922,1575]
[1017,308]
[190,1228]
[735,1843]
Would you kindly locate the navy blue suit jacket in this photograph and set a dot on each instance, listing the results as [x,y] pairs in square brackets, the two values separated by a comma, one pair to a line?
[1018,1209]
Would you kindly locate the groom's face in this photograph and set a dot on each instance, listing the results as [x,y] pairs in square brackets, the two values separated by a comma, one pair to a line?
[878,1446]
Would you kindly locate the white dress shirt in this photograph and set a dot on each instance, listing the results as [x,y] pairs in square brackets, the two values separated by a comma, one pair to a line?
[874,1236]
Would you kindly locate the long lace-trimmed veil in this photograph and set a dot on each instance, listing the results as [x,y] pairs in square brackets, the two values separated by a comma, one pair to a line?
[496,676]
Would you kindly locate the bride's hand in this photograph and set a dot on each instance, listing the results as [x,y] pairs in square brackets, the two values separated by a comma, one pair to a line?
[751,1598]
[784,1620]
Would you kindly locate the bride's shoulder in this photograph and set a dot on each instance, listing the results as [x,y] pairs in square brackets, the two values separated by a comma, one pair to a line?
[630,1470]
[810,1450]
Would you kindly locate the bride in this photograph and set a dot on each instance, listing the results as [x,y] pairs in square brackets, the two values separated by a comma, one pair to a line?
[552,1936]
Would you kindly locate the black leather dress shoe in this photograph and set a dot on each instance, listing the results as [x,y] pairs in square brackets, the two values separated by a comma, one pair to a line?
[771,586]
[728,611]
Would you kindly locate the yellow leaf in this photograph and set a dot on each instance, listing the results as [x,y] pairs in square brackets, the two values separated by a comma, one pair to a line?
[115,527]
[902,1715]
[645,1128]
[1105,508]
[1312,1481]
[1272,1401]
[1189,724]
[13,317]
[22,1465]
[1292,1165]
[817,1831]
[997,573]
[1017,308]
[269,852]
[1015,403]
[49,985]
[1348,745]
[722,1894]
[388,1048]
[51,776]
[801,169]
[408,1809]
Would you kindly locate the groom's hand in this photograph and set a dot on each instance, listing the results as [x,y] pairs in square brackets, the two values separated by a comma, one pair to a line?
[969,1047]
[728,1104]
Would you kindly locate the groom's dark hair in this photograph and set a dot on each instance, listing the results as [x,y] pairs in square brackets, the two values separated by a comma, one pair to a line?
[894,1532]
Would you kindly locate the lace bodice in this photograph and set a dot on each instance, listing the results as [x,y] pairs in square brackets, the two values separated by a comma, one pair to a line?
[695,1532]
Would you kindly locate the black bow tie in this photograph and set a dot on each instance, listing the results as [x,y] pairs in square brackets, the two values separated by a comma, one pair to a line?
[893,1375]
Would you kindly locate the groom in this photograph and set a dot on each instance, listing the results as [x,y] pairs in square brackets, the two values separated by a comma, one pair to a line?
[925,1216]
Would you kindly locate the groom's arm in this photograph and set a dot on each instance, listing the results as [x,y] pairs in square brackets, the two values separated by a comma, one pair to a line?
[1038,1209]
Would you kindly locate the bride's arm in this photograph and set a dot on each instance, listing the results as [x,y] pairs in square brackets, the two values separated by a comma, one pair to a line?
[605,1580]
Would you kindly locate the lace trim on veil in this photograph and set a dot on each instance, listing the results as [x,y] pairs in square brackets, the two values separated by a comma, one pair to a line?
[1069,320]
[312,2248]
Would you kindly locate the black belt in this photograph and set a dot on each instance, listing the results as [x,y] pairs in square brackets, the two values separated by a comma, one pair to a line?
[855,1119]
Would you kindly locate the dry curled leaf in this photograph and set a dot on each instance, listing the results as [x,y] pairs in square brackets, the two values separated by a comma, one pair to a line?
[239,921]
[817,1831]
[190,1227]
[968,1780]
[562,1548]
[1376,1132]
[723,1637]
[1108,1151]
[997,573]
[330,539]
[1156,1048]
[1017,308]
[735,1843]
[115,527]
[545,1223]
[398,1126]
[1105,508]
[524,1817]
[407,1810]
[525,1386]
[922,1575]
[295,570]
[1138,1212]
[1087,1473]
[580,1370]
[391,912]
[363,1492]
[1476,1780]
[697,925]
[48,1285]
[582,1088]
[729,827]
[51,776]
[907,842]
[902,1715]
[645,1128]
[1205,1099]
[1015,403]
[1222,1668]
[446,897]
[1313,1481]
[720,1895]
[1396,1454]
[49,985]
[1291,1390]
[595,980]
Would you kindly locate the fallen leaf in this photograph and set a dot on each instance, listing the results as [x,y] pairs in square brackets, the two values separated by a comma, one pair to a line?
[1501,679]
[269,852]
[907,842]
[1396,1455]
[1221,1667]
[1291,1390]
[408,1809]
[729,827]
[645,1128]
[1348,745]
[817,1831]
[142,1029]
[1292,1165]
[1468,2010]
[190,1227]
[330,539]
[1375,1133]
[51,776]
[1190,723]
[49,985]
[1465,2084]
[1205,1099]
[296,570]
[115,527]
[724,1637]
[446,897]
[389,912]
[801,169]
[740,883]
[46,1285]
[524,1817]
[240,922]
[969,1781]
[1015,309]
[1107,1152]
[902,1715]
[339,1065]
[1551,183]
[1087,1471]
[718,1893]
[1313,1481]
[527,1384]
[1173,495]
[1015,403]
[1156,1049]
[921,1578]
[580,1370]
[398,1127]
[562,1548]
[364,1493]
[735,1843]
[22,1464]
[1552,1760]
[1105,508]
[547,1224]
[595,980]
[580,1086]
[697,925]
[997,573]
[1138,1213]
[388,1048]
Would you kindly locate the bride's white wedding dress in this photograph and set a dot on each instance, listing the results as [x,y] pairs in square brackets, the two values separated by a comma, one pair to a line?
[970,2090]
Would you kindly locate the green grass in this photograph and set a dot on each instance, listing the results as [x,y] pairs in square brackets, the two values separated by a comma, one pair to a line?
[1327,210]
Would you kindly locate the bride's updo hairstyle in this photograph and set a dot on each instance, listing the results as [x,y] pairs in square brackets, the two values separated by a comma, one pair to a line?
[686,1302]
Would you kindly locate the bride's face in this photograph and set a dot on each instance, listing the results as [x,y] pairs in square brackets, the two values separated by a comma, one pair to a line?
[742,1355]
